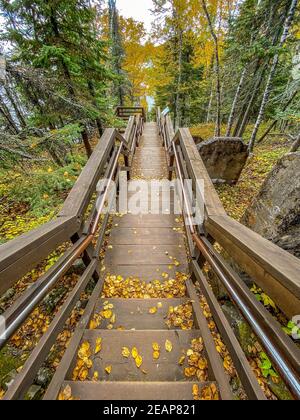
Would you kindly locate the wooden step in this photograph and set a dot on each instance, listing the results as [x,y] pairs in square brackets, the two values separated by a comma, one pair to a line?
[146,236]
[166,368]
[135,391]
[134,314]
[136,254]
[148,221]
[146,273]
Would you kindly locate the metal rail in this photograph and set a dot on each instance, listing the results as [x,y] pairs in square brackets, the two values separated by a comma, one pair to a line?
[282,351]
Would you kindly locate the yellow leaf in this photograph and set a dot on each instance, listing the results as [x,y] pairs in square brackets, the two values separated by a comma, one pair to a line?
[156,355]
[98,345]
[138,361]
[195,390]
[202,364]
[85,350]
[93,324]
[134,352]
[168,346]
[95,376]
[125,352]
[83,374]
[181,360]
[64,395]
[153,310]
[108,369]
[107,314]
[156,347]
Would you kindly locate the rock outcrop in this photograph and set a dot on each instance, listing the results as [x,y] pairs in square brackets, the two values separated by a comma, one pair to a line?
[224,158]
[275,212]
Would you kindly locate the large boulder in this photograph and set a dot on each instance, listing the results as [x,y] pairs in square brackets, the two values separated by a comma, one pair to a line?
[224,158]
[275,212]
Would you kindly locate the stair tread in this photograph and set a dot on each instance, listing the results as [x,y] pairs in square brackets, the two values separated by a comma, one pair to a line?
[134,391]
[134,313]
[146,273]
[166,368]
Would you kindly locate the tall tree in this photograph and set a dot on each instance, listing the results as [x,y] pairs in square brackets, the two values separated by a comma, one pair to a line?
[117,52]
[268,88]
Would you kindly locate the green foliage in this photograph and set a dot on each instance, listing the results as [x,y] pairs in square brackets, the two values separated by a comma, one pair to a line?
[266,366]
[292,329]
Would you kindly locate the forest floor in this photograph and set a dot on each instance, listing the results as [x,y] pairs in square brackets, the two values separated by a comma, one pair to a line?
[32,196]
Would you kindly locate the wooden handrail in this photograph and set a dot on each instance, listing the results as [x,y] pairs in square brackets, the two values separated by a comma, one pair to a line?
[22,254]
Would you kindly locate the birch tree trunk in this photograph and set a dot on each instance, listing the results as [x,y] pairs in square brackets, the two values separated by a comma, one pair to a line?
[217,68]
[178,93]
[235,102]
[268,89]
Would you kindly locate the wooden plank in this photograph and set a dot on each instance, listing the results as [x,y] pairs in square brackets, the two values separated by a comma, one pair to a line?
[146,236]
[134,313]
[79,198]
[23,381]
[146,273]
[245,372]
[215,360]
[20,255]
[148,221]
[197,171]
[136,254]
[274,269]
[166,368]
[135,391]
[60,374]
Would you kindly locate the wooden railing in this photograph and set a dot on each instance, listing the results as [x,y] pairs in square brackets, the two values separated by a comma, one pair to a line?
[125,112]
[78,223]
[276,271]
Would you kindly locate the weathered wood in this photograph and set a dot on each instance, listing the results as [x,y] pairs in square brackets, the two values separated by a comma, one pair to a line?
[214,358]
[276,271]
[59,376]
[135,391]
[23,381]
[245,372]
[133,314]
[198,172]
[136,254]
[20,255]
[79,198]
[165,369]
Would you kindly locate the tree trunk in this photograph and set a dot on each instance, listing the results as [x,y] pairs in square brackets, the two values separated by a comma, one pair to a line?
[178,117]
[235,102]
[251,101]
[217,68]
[268,89]
[86,142]
[15,106]
[7,115]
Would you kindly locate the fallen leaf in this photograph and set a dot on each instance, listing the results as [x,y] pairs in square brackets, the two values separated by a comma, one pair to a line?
[168,346]
[138,361]
[153,310]
[108,369]
[126,352]
[134,352]
[98,345]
